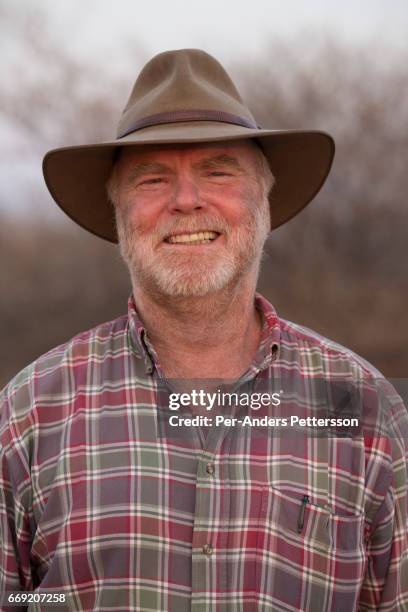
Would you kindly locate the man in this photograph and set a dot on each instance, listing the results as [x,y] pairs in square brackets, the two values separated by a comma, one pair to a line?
[128,481]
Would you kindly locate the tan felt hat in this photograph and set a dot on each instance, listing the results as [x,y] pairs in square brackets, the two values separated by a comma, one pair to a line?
[186,96]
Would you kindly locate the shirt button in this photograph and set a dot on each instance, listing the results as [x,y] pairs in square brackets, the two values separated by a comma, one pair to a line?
[210,468]
[207,549]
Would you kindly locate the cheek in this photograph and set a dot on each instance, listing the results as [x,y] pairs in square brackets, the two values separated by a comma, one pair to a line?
[140,213]
[236,204]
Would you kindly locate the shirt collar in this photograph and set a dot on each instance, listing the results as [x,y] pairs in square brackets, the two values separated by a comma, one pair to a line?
[270,335]
[137,337]
[267,351]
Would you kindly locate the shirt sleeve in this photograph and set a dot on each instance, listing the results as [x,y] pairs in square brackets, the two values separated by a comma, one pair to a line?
[385,585]
[15,532]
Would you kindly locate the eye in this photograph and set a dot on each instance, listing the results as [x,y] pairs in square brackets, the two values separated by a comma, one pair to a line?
[217,173]
[152,181]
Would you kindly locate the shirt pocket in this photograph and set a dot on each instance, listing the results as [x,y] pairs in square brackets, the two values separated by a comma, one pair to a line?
[307,557]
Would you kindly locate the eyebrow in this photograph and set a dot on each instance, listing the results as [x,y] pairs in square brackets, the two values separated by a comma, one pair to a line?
[147,168]
[216,161]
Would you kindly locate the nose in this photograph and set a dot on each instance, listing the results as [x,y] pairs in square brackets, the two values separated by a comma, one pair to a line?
[186,195]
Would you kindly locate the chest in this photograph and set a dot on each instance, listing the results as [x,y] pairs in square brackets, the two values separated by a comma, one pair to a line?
[128,483]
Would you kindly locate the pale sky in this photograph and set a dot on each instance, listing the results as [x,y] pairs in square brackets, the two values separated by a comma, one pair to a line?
[100,27]
[227,25]
[97,31]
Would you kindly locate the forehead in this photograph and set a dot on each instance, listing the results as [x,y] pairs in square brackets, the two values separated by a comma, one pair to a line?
[244,151]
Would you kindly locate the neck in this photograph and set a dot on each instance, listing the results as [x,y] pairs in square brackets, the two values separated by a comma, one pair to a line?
[215,335]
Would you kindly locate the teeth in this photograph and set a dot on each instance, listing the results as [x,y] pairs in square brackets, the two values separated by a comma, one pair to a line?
[201,237]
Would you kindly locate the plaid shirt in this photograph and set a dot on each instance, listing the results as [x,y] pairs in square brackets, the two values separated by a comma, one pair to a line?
[100,498]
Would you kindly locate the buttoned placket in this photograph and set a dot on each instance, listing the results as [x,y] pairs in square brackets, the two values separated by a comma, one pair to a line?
[206,538]
[212,498]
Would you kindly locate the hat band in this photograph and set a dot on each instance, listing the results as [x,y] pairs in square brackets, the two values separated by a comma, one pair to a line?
[188,115]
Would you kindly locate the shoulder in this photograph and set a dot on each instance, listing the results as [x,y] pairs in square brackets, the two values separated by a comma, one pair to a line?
[321,355]
[51,374]
[378,401]
[311,353]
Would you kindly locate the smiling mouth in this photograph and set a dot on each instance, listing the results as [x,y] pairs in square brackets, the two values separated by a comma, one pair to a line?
[204,237]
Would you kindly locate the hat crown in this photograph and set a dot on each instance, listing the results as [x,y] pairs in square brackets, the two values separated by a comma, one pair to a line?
[183,85]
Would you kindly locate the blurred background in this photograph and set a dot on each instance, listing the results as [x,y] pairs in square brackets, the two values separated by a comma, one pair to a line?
[340,267]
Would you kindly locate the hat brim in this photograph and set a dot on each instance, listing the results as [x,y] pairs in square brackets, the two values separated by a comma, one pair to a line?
[76,176]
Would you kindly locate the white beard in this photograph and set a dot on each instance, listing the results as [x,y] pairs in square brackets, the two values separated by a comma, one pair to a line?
[173,273]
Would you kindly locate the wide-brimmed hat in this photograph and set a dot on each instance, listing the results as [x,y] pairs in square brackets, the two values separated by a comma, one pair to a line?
[186,96]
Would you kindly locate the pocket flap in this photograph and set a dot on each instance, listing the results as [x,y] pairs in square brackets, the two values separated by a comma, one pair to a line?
[283,511]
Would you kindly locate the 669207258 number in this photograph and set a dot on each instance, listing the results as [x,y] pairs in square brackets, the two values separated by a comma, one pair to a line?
[20,597]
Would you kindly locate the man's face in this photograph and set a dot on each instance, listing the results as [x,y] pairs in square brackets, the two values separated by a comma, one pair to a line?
[191,219]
